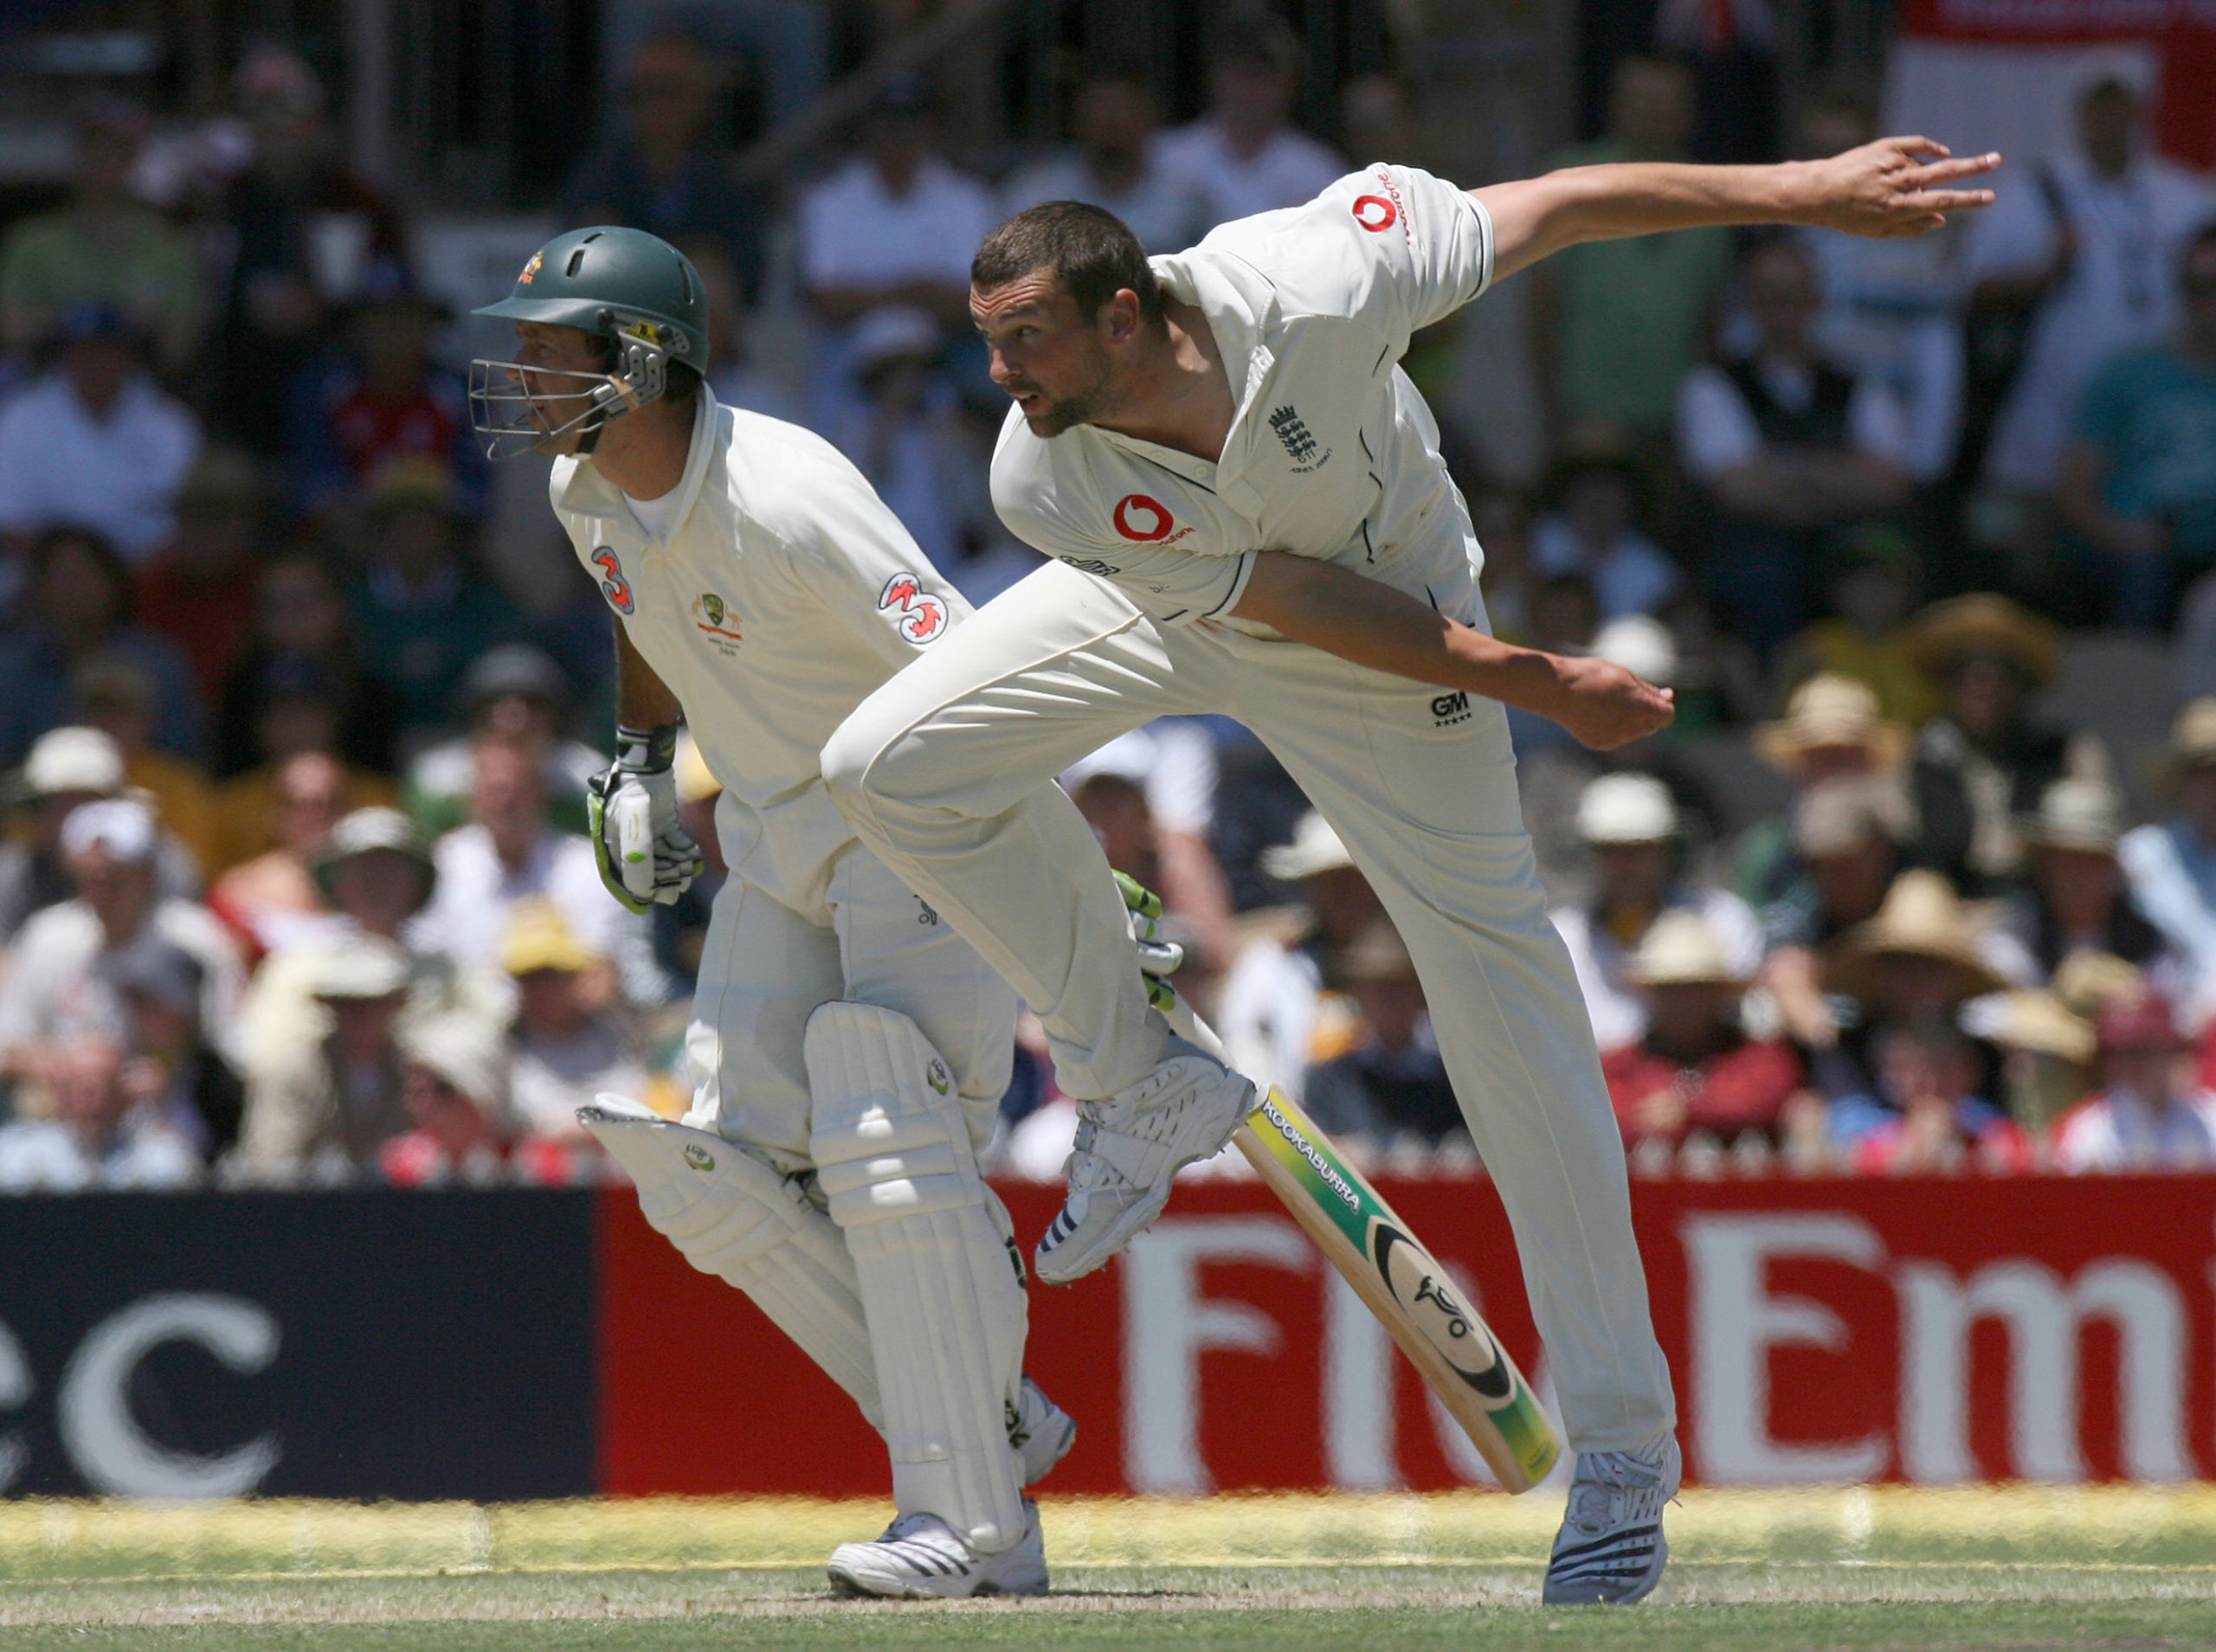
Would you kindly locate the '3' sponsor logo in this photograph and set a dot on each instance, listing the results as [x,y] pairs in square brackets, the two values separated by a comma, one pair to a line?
[613,587]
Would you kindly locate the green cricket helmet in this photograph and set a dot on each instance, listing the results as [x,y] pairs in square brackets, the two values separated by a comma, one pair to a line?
[631,288]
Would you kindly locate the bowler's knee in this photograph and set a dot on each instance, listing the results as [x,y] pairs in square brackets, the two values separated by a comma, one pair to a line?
[855,769]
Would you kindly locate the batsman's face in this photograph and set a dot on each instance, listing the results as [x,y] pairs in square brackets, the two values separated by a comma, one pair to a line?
[1055,362]
[554,367]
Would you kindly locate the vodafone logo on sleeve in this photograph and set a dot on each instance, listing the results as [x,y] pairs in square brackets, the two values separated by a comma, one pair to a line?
[1375,212]
[1147,520]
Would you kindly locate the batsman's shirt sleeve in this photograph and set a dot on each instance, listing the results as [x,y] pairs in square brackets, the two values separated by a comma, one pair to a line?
[845,547]
[1173,569]
[1393,246]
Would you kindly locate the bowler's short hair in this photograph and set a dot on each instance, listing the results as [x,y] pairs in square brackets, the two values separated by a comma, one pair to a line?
[1092,254]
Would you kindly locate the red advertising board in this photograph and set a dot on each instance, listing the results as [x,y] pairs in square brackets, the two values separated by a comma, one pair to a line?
[1926,1331]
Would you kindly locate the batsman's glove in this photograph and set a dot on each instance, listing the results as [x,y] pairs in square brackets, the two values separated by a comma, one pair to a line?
[646,857]
[1158,959]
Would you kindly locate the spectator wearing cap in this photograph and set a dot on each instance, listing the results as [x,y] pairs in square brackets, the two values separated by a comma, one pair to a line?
[1787,447]
[1922,957]
[79,604]
[1244,152]
[1872,575]
[1926,1115]
[422,608]
[2171,863]
[561,1051]
[114,693]
[304,229]
[1848,838]
[2149,1113]
[514,692]
[55,990]
[1630,825]
[66,767]
[1599,493]
[1114,161]
[1273,1014]
[664,169]
[272,900]
[904,432]
[2077,900]
[1695,1068]
[337,1098]
[1392,1084]
[1831,730]
[301,614]
[375,876]
[172,1069]
[2140,483]
[100,1136]
[103,244]
[198,589]
[895,225]
[379,397]
[507,854]
[95,442]
[453,1088]
[1983,764]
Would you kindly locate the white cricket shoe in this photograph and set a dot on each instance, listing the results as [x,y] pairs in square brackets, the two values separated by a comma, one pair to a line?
[1129,1149]
[922,1557]
[1041,1431]
[1610,1551]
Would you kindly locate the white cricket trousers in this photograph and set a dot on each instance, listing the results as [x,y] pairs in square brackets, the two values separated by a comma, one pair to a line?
[941,773]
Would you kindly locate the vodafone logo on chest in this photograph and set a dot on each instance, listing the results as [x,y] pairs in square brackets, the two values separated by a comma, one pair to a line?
[1147,520]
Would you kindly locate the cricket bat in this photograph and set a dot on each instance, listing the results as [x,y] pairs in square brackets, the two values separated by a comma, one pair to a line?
[1397,1279]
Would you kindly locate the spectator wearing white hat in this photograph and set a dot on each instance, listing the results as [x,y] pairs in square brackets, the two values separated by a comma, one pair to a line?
[1695,1068]
[56,991]
[1847,838]
[1271,1015]
[1391,1085]
[1632,827]
[454,1087]
[2077,900]
[904,432]
[337,1098]
[100,1136]
[66,767]
[563,1051]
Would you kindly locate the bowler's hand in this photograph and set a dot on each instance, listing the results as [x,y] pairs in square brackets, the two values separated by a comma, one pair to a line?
[1606,706]
[1897,186]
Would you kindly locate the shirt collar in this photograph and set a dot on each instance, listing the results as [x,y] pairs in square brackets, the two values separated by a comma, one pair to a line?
[588,493]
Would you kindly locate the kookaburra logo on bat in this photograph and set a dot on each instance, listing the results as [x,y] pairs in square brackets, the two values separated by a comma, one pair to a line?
[1418,1286]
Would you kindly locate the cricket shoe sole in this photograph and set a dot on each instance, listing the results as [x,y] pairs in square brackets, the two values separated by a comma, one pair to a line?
[1130,1148]
[1610,1551]
[922,1557]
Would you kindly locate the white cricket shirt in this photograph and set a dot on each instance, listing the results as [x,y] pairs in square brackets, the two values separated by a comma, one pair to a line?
[784,593]
[1332,452]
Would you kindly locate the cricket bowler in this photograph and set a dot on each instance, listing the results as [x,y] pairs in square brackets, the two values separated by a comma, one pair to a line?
[849,1048]
[1249,514]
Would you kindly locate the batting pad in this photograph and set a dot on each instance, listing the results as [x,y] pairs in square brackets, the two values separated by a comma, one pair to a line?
[941,1282]
[732,1216]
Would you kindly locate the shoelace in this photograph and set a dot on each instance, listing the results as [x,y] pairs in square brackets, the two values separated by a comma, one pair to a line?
[1084,1169]
[1603,1478]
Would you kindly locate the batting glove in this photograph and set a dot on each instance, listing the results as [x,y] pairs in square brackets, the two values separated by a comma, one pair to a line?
[1158,959]
[645,856]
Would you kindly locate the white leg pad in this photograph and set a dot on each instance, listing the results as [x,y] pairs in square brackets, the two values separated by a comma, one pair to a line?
[941,1282]
[731,1215]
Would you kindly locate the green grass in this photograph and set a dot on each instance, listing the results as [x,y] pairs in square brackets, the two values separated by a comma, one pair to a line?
[1927,1571]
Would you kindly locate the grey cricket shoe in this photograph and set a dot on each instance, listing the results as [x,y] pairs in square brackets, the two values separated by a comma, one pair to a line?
[922,1557]
[1041,1431]
[1129,1149]
[1610,1551]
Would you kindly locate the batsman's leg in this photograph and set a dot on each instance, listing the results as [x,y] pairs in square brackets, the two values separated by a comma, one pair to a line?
[942,1288]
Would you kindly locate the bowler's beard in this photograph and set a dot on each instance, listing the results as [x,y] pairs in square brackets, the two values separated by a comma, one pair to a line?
[1080,407]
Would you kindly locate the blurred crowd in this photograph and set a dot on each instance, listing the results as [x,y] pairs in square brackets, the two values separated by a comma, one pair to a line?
[294,888]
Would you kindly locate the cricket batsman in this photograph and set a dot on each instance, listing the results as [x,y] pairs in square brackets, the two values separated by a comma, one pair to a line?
[849,1048]
[1250,515]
